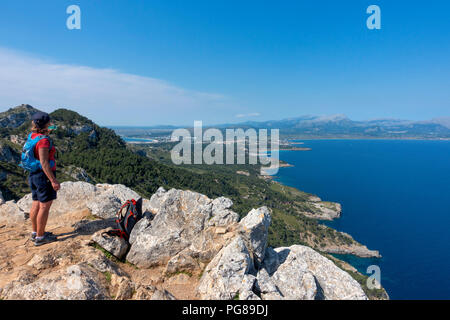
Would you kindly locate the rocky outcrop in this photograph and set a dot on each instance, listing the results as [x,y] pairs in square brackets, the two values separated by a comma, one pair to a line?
[255,229]
[8,154]
[115,245]
[77,173]
[2,200]
[299,271]
[322,210]
[295,273]
[224,276]
[357,250]
[17,116]
[11,213]
[77,282]
[182,232]
[187,227]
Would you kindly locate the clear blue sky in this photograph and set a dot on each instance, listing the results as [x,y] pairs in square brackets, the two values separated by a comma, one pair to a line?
[171,62]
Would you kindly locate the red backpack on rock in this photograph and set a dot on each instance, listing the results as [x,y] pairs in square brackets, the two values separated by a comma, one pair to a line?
[127,216]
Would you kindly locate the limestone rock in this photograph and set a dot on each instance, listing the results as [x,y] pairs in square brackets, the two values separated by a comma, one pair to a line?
[123,286]
[183,261]
[72,196]
[10,213]
[115,245]
[327,210]
[121,192]
[223,277]
[182,216]
[246,290]
[77,173]
[162,295]
[15,117]
[335,283]
[221,215]
[104,206]
[293,279]
[42,261]
[103,200]
[77,282]
[255,229]
[266,287]
[154,204]
[140,228]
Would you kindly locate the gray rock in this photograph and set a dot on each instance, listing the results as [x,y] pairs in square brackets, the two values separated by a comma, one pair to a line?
[77,173]
[162,295]
[10,213]
[115,245]
[96,259]
[120,191]
[293,279]
[72,196]
[223,277]
[15,117]
[140,227]
[246,290]
[326,210]
[105,205]
[183,261]
[255,229]
[266,287]
[221,215]
[154,204]
[77,282]
[335,283]
[2,200]
[124,287]
[271,260]
[221,203]
[14,138]
[103,199]
[42,261]
[181,218]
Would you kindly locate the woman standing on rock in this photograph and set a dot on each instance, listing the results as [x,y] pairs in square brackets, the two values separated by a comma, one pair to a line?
[38,157]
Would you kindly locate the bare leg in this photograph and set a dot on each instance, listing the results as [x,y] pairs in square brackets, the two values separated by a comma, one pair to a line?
[44,208]
[33,215]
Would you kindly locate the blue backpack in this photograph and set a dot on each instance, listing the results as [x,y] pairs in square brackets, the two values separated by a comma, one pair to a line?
[29,162]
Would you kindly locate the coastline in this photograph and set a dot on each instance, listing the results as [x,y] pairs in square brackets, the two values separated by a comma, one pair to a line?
[306,138]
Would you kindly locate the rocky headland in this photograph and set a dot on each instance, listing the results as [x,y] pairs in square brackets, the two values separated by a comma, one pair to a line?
[187,246]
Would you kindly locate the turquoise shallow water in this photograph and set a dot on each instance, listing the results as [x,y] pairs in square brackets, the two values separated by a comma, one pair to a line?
[396,199]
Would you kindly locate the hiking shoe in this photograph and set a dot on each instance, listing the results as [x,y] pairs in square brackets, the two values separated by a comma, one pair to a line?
[33,236]
[44,240]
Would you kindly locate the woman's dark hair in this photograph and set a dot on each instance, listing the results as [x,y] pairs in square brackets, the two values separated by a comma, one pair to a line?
[36,129]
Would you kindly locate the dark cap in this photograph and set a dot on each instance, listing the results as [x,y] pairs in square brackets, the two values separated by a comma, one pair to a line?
[40,119]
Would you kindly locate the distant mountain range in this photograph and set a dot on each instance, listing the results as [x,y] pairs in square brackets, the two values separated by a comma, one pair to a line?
[334,126]
[340,126]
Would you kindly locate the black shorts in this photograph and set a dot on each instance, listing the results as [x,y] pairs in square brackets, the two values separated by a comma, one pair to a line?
[41,187]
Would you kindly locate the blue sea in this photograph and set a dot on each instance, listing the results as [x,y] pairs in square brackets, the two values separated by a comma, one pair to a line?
[395,196]
[142,140]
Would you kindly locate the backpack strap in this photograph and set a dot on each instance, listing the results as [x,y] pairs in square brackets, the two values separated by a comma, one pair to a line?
[116,233]
[39,138]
